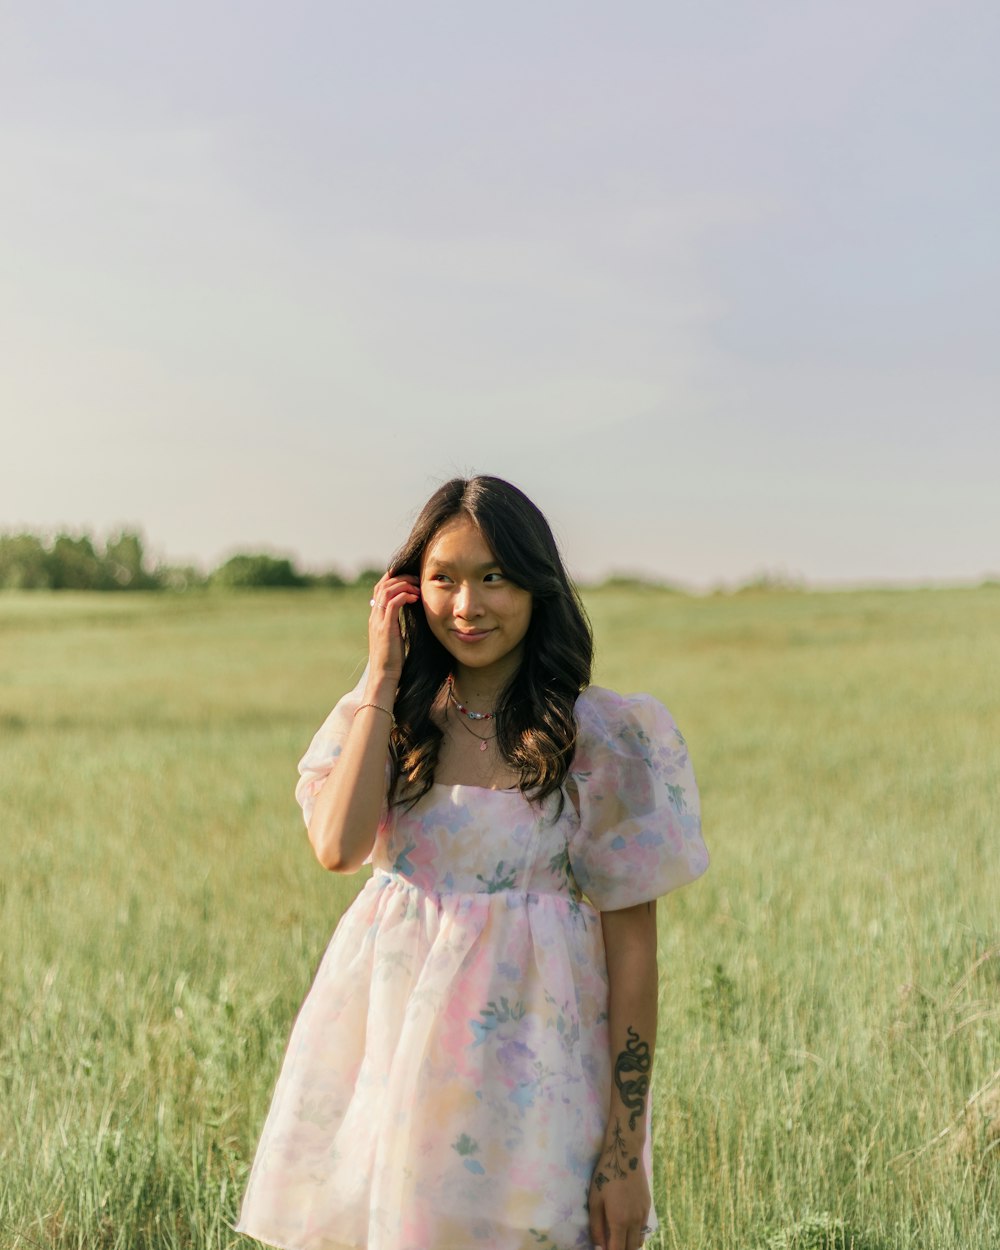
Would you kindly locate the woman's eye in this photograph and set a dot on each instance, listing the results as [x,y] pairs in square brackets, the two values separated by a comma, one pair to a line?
[495,576]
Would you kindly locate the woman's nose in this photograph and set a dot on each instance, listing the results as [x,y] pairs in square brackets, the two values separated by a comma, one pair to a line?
[467,602]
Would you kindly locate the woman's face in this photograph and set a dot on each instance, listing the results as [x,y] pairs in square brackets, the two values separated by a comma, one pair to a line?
[477,614]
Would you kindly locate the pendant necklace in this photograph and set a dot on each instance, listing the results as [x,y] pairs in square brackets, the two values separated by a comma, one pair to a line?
[482,741]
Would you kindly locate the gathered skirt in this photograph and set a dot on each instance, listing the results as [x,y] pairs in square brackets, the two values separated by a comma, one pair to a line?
[447,1079]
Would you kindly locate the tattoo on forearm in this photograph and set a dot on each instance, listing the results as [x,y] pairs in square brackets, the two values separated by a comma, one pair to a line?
[632,1069]
[635,1058]
[617,1159]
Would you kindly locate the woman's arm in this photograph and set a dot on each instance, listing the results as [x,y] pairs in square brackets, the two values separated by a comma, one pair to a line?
[619,1197]
[345,816]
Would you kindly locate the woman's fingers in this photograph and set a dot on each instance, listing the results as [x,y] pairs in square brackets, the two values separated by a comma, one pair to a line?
[385,639]
[388,602]
[598,1236]
[391,586]
[624,1237]
[613,1229]
[399,600]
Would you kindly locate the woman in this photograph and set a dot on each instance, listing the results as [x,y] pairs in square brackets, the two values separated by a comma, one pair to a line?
[472,1064]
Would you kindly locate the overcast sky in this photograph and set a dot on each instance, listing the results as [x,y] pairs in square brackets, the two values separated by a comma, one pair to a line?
[718,284]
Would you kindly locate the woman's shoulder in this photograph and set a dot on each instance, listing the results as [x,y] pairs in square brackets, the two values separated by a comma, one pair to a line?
[624,724]
[639,833]
[600,709]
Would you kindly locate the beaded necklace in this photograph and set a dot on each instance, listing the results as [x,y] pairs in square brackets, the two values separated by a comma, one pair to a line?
[461,706]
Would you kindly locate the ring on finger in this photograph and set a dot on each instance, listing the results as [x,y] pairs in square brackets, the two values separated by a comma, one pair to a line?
[371,603]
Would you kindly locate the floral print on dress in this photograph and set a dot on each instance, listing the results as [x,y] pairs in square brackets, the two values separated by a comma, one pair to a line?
[447,1078]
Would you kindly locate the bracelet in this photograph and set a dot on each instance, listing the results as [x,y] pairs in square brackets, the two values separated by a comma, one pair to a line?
[379,707]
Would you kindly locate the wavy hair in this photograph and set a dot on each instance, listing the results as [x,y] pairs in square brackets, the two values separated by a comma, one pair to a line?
[536,727]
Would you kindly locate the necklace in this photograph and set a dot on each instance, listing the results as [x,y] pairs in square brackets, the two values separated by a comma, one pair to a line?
[462,708]
[482,741]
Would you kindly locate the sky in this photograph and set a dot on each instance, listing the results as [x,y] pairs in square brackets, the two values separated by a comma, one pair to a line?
[717,284]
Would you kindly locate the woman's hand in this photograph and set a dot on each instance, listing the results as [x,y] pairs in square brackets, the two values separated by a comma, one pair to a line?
[385,640]
[619,1200]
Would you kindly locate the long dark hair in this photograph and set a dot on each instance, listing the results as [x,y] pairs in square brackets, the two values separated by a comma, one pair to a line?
[536,728]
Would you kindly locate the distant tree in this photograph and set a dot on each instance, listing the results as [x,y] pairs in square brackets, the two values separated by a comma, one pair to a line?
[180,577]
[256,570]
[125,562]
[24,563]
[76,565]
[75,562]
[330,577]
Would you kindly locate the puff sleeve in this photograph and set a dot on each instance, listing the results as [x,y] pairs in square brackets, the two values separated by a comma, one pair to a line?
[639,834]
[328,742]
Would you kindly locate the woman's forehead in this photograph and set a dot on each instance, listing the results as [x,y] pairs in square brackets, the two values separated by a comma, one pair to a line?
[459,542]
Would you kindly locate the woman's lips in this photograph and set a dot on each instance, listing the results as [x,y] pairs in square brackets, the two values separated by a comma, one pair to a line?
[472,635]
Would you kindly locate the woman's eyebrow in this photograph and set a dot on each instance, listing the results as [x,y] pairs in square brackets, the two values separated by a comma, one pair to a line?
[434,563]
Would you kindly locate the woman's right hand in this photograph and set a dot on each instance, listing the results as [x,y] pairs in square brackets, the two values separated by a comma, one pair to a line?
[385,639]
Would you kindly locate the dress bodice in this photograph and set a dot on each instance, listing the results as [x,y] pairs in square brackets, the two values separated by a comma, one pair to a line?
[629,829]
[469,840]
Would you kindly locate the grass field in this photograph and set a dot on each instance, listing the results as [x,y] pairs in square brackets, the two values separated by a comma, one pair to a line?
[829,1054]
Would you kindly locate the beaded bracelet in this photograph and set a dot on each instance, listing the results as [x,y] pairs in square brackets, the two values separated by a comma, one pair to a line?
[379,707]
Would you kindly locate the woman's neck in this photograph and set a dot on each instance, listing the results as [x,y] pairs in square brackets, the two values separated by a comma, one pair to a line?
[479,688]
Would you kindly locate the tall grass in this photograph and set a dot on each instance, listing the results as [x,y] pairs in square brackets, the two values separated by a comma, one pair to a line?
[829,1053]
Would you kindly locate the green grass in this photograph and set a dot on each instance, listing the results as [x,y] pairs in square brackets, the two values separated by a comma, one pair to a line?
[831,989]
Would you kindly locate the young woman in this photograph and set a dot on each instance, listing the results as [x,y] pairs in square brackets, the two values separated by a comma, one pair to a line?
[472,1065]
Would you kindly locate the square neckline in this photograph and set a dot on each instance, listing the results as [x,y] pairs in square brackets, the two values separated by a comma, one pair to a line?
[461,785]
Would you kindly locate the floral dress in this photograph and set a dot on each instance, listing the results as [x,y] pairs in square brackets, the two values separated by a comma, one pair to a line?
[447,1080]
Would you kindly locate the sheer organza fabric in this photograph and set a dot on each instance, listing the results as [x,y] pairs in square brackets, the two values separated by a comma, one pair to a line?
[447,1079]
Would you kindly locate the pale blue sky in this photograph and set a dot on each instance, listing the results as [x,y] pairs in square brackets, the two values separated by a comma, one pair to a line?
[718,284]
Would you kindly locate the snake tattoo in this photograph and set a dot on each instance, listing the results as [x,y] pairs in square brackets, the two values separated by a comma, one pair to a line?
[635,1058]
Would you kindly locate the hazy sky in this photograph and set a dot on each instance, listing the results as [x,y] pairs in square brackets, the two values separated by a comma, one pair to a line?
[718,284]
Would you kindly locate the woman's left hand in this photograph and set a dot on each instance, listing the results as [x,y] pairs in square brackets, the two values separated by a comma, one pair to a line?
[619,1205]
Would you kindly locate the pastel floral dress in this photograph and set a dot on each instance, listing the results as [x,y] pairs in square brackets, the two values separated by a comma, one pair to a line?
[447,1079]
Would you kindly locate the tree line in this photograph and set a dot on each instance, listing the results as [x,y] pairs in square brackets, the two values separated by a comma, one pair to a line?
[65,561]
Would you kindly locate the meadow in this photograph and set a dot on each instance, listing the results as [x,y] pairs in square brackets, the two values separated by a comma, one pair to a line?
[828,1070]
